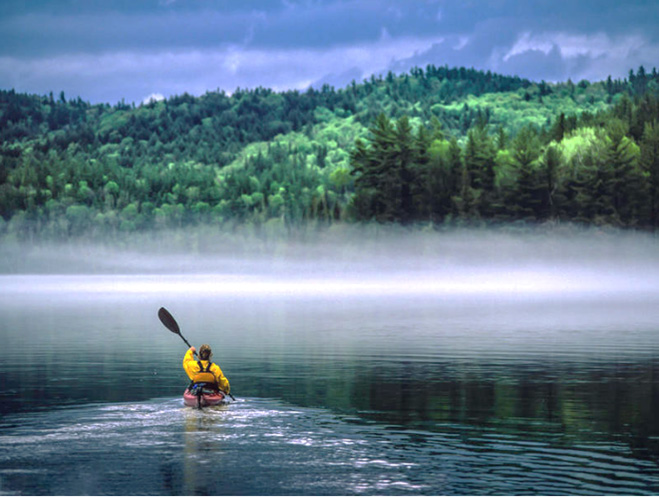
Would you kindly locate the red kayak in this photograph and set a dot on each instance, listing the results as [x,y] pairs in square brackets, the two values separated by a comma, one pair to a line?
[205,398]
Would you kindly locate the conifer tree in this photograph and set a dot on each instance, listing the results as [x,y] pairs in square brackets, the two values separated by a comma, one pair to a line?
[650,164]
[627,183]
[479,159]
[530,191]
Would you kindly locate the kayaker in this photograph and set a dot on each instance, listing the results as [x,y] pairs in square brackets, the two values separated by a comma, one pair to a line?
[203,370]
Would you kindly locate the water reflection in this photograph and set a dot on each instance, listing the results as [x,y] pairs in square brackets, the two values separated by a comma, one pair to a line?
[203,449]
[465,378]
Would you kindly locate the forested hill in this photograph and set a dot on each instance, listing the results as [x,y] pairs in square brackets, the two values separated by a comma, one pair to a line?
[437,145]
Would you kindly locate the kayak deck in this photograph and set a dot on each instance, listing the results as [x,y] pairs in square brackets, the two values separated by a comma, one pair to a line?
[206,399]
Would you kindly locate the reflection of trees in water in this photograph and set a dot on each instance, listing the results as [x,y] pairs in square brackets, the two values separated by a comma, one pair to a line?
[579,401]
[611,398]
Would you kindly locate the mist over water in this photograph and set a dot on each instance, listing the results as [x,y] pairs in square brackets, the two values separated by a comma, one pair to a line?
[454,263]
[397,362]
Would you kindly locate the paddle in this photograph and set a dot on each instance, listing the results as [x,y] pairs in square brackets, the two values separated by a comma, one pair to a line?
[170,323]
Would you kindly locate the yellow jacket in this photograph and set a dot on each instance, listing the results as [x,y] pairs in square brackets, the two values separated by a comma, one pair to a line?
[191,366]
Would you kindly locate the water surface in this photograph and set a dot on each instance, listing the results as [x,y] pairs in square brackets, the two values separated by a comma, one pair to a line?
[452,374]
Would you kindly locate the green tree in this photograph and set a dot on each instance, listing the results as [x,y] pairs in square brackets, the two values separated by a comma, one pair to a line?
[79,218]
[480,163]
[388,170]
[628,184]
[549,168]
[376,181]
[442,178]
[649,161]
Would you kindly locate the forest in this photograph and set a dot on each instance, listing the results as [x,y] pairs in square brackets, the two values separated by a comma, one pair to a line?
[434,147]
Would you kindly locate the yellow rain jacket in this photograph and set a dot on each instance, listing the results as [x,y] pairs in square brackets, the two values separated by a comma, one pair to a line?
[196,374]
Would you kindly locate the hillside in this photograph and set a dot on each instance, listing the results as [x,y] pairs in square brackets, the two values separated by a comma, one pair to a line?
[444,146]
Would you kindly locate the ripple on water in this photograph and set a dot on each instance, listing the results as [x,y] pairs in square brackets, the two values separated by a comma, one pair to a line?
[259,446]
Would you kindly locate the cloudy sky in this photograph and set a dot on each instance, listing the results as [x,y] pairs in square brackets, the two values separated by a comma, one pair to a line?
[106,50]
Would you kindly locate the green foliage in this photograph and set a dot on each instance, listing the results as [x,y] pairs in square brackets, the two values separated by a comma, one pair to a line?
[438,144]
[595,174]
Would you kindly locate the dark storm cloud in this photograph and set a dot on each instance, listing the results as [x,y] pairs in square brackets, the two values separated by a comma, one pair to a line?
[174,26]
[546,40]
[112,49]
[37,35]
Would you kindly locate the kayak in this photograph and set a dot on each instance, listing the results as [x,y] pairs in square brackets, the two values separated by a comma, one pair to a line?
[206,399]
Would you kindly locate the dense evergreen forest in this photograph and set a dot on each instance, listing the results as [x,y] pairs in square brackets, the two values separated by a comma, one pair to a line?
[437,146]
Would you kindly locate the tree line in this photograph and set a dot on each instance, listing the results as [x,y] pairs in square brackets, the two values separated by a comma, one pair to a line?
[437,145]
[601,170]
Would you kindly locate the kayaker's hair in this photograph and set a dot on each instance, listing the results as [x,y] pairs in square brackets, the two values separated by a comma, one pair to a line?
[205,352]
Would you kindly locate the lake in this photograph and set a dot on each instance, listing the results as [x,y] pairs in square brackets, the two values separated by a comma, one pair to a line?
[495,364]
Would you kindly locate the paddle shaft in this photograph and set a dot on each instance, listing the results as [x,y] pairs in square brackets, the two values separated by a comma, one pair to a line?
[186,342]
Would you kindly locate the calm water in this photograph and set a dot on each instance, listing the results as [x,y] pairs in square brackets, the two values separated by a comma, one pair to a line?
[500,379]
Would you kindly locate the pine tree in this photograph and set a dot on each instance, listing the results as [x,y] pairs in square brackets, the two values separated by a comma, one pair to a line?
[530,191]
[650,164]
[479,158]
[627,183]
[402,176]
[549,170]
[383,172]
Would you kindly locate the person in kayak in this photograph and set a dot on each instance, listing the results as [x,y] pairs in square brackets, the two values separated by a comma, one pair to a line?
[203,371]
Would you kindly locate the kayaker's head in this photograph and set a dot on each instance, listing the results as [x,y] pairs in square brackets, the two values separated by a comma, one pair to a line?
[205,352]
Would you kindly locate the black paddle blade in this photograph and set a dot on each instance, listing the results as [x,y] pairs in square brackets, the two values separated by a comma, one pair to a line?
[168,320]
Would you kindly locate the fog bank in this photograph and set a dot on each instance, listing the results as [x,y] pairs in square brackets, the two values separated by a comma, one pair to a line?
[346,262]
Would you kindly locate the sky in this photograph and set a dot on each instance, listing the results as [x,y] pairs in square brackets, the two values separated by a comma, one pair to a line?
[136,50]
